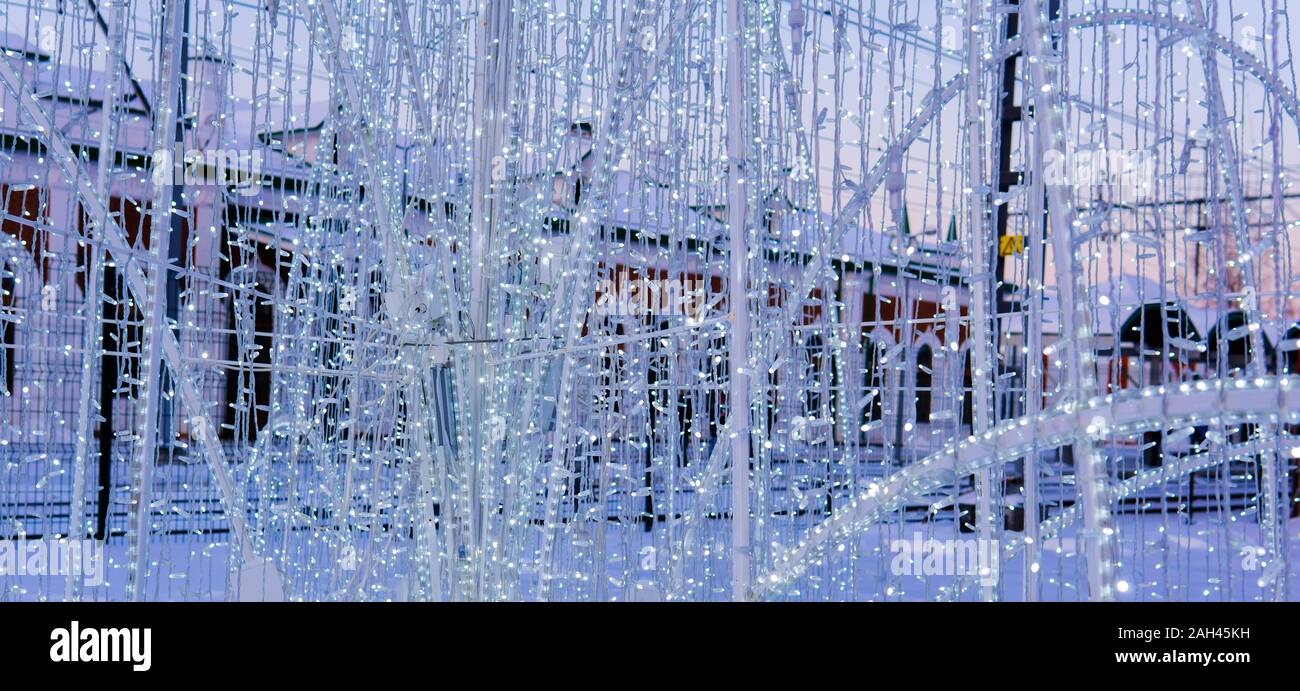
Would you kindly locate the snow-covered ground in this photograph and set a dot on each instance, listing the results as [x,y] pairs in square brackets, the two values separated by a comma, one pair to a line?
[604,551]
[1160,558]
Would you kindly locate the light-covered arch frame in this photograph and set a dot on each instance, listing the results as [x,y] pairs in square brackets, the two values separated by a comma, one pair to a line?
[1264,398]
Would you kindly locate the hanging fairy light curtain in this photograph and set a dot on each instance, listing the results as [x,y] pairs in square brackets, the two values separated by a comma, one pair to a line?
[458,300]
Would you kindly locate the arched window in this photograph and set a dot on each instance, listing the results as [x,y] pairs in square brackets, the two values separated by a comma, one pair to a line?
[1289,362]
[24,210]
[248,386]
[924,383]
[967,391]
[1228,345]
[873,381]
[122,320]
[815,352]
[8,325]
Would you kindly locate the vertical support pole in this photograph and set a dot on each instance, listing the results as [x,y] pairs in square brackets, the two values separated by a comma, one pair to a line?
[155,307]
[738,298]
[1276,118]
[110,367]
[1076,313]
[491,95]
[894,182]
[91,308]
[427,439]
[1008,115]
[1035,231]
[977,207]
[1035,237]
[177,239]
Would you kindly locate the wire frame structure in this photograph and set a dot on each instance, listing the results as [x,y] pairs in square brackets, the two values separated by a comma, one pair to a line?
[654,300]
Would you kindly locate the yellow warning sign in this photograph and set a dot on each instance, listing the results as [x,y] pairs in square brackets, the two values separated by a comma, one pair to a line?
[1010,245]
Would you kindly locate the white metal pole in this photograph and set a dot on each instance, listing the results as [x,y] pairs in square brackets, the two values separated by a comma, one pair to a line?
[1034,232]
[91,346]
[155,307]
[738,298]
[491,98]
[982,373]
[1076,313]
